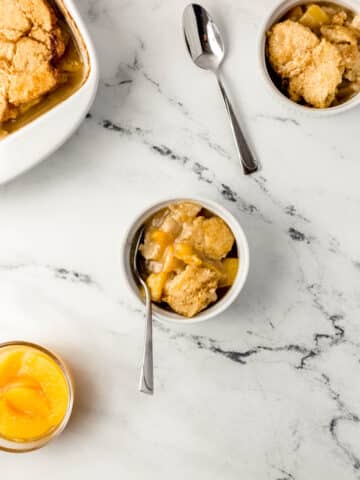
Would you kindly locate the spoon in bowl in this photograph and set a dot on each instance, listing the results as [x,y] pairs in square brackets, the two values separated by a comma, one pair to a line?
[146,384]
[206,48]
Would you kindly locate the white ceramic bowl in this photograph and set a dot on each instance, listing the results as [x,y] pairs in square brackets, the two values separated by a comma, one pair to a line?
[233,292]
[26,147]
[274,16]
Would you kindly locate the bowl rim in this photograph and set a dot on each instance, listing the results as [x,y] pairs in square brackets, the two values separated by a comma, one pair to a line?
[273,16]
[242,245]
[11,446]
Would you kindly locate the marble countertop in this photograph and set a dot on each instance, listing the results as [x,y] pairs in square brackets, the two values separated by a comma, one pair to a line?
[268,391]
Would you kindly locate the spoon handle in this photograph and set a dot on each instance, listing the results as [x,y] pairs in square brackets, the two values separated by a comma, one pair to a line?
[146,384]
[247,158]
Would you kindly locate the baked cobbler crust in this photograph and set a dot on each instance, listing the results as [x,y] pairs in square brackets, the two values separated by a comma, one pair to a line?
[30,42]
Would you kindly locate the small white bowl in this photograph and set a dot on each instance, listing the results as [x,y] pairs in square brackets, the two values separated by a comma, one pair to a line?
[233,292]
[26,147]
[273,17]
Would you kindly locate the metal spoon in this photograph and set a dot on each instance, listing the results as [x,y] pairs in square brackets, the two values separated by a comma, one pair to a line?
[207,50]
[146,383]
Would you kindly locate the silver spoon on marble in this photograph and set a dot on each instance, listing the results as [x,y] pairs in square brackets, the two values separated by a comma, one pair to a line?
[206,48]
[146,383]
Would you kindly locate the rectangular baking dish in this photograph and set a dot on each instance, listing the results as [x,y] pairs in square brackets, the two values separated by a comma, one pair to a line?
[32,143]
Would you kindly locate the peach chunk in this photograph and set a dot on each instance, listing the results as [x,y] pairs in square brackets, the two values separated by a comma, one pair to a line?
[28,401]
[48,374]
[186,253]
[163,239]
[156,283]
[10,364]
[314,17]
[231,266]
[18,426]
[170,262]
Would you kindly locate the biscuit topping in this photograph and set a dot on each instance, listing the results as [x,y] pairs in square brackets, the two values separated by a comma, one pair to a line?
[29,42]
[34,51]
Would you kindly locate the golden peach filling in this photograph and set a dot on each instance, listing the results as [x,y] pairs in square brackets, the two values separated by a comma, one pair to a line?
[187,254]
[314,54]
[34,394]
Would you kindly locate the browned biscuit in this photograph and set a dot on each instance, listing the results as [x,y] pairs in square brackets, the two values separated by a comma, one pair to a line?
[31,43]
[191,291]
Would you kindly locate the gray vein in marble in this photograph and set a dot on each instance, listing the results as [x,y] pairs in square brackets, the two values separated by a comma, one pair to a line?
[95,11]
[203,173]
[8,267]
[118,83]
[116,127]
[241,357]
[289,210]
[135,68]
[214,146]
[211,345]
[286,475]
[345,415]
[171,99]
[298,236]
[200,170]
[292,212]
[278,119]
[334,245]
[168,152]
[58,272]
[335,149]
[71,275]
[92,12]
[315,291]
[331,244]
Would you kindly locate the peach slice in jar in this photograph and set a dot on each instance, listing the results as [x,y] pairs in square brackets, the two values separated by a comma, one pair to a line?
[36,396]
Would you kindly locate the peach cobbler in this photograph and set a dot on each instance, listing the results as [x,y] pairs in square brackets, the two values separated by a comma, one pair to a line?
[314,54]
[38,56]
[190,257]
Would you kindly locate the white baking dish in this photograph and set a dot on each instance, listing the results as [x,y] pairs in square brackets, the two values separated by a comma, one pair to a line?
[26,147]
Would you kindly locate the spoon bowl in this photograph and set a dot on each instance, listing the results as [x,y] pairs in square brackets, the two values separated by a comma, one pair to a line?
[203,38]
